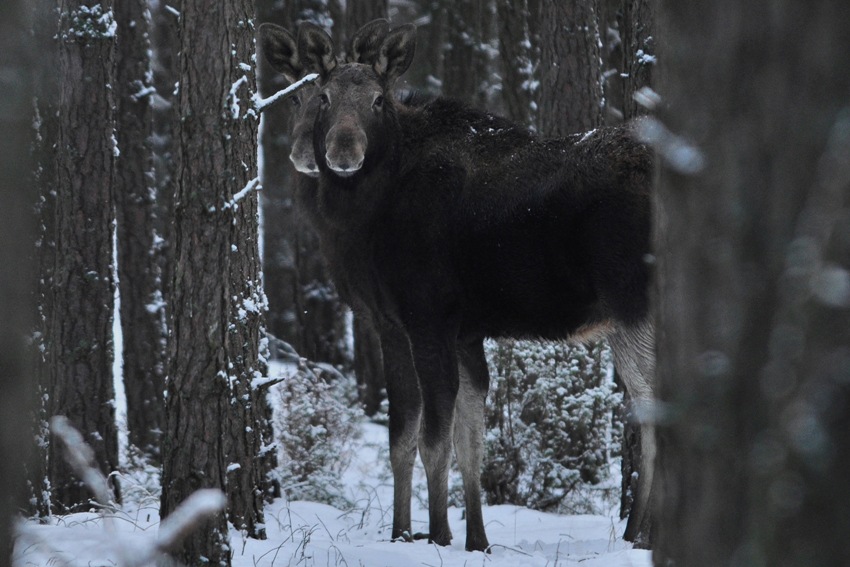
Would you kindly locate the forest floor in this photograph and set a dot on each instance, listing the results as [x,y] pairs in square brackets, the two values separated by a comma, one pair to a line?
[309,534]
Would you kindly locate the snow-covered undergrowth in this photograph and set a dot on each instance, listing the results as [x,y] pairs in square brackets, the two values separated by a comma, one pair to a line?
[311,534]
[355,532]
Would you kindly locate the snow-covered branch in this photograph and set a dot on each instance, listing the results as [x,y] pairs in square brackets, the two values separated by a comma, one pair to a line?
[260,104]
[250,186]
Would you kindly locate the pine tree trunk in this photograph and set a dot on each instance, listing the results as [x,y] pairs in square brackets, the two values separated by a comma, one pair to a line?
[142,309]
[754,278]
[638,54]
[17,56]
[519,51]
[610,32]
[465,65]
[570,73]
[213,434]
[165,117]
[45,134]
[78,312]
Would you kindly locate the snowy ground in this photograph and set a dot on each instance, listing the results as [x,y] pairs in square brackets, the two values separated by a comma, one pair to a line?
[309,534]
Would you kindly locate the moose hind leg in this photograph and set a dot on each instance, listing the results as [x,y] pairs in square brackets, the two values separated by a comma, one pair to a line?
[469,438]
[634,356]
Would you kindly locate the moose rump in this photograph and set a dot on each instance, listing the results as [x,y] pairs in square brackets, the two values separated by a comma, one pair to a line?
[446,225]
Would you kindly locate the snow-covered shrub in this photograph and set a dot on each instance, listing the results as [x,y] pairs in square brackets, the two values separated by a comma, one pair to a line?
[551,432]
[315,420]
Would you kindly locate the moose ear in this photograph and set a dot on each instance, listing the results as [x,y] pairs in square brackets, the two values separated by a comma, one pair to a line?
[316,49]
[366,43]
[281,49]
[396,52]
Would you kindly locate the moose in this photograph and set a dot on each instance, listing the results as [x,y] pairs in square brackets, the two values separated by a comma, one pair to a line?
[445,225]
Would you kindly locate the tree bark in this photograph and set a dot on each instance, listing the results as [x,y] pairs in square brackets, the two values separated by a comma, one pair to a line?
[754,282]
[213,435]
[570,73]
[17,193]
[77,370]
[519,53]
[165,117]
[142,307]
[639,54]
[465,64]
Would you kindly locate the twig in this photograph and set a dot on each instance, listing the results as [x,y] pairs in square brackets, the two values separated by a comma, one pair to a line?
[261,104]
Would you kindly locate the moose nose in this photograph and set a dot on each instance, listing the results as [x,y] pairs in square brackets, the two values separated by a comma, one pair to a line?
[344,167]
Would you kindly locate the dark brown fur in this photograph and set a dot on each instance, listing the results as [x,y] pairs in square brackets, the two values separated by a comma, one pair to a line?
[458,225]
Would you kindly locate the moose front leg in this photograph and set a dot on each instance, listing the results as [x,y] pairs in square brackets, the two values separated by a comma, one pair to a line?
[405,407]
[435,359]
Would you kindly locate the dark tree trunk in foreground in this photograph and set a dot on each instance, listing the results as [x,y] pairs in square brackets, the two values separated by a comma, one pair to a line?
[213,430]
[77,370]
[754,251]
[570,73]
[142,308]
[17,55]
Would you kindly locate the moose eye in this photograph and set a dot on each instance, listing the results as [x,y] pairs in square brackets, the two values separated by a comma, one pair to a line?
[296,102]
[324,98]
[379,100]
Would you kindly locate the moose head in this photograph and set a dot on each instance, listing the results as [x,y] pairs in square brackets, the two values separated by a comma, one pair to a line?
[312,51]
[355,104]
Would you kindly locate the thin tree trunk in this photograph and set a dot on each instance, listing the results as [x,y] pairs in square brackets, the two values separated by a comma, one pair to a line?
[17,55]
[142,309]
[754,281]
[465,65]
[165,117]
[570,72]
[519,52]
[78,329]
[638,54]
[213,435]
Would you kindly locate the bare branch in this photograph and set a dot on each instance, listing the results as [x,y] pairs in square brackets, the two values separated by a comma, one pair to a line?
[260,104]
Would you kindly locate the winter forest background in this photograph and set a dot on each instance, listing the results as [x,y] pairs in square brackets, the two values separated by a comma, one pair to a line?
[133,185]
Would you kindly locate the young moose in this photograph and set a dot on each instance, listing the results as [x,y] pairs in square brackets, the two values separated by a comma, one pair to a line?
[446,225]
